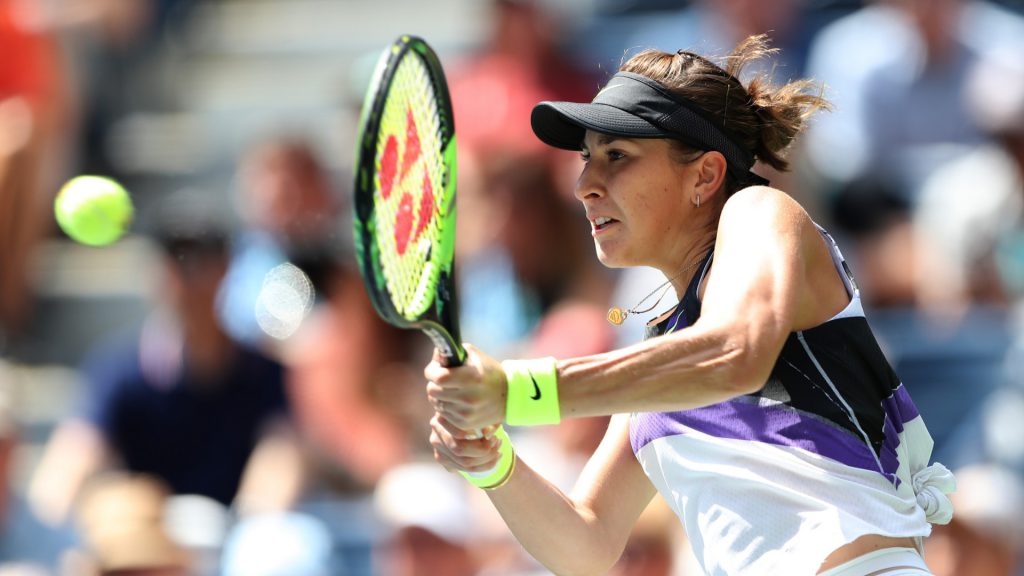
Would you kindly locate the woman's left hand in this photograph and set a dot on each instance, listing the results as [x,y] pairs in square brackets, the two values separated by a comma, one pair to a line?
[471,396]
[457,449]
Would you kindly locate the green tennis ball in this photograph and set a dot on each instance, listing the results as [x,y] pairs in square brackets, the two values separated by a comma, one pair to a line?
[93,210]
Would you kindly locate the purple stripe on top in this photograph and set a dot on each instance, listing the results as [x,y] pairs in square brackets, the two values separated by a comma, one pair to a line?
[742,418]
[899,409]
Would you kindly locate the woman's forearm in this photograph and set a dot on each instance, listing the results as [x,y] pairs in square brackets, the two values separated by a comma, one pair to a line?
[561,535]
[583,532]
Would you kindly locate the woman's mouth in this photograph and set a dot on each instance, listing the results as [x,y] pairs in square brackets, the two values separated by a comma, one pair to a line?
[601,222]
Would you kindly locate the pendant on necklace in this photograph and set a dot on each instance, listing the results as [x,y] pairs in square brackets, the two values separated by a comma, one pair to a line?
[617,315]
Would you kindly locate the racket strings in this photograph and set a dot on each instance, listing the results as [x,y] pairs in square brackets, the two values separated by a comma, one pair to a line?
[410,188]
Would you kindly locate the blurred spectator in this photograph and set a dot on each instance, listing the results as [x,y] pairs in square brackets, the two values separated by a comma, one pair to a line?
[358,405]
[986,536]
[495,87]
[892,69]
[35,130]
[715,26]
[8,444]
[289,214]
[994,422]
[878,220]
[843,55]
[121,519]
[180,400]
[20,569]
[281,544]
[971,212]
[112,51]
[359,409]
[25,543]
[349,380]
[533,255]
[432,525]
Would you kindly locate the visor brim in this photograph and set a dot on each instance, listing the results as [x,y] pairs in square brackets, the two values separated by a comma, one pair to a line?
[563,124]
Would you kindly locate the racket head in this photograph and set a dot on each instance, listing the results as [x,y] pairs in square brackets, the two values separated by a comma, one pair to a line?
[404,195]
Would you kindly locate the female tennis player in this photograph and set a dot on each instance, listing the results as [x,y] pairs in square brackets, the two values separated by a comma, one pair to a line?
[760,406]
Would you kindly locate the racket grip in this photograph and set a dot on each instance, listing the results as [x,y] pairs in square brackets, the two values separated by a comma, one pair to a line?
[502,470]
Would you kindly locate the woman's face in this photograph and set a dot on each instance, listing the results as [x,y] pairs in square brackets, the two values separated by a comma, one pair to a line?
[637,199]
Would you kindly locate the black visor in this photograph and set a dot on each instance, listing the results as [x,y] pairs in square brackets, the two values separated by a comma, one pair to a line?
[635,106]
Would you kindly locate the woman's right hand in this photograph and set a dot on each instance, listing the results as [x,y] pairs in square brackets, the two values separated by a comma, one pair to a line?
[470,396]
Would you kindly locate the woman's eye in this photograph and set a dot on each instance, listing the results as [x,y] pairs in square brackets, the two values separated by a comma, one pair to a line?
[610,155]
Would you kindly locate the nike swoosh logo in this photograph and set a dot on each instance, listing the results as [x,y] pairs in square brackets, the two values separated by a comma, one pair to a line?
[536,388]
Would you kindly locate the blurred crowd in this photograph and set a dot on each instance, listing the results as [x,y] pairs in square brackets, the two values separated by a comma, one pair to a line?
[241,410]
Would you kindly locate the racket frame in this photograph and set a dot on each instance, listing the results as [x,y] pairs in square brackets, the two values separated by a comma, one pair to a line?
[440,320]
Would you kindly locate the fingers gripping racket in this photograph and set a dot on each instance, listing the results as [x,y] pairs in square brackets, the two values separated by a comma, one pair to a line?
[404,198]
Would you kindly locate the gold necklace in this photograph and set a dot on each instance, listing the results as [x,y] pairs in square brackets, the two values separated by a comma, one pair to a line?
[617,315]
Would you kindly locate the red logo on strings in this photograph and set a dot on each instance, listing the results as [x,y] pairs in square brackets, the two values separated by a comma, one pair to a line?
[409,225]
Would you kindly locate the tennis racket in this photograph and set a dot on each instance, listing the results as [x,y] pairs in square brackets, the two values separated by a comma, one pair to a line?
[404,198]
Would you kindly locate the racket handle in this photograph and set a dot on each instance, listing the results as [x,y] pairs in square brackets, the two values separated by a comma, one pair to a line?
[451,351]
[497,475]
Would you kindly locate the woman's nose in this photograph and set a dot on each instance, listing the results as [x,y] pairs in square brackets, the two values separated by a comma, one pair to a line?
[588,185]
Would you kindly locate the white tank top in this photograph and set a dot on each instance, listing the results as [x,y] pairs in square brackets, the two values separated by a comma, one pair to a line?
[831,449]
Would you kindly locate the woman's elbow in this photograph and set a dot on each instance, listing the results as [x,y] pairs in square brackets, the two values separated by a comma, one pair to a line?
[750,381]
[597,556]
[747,370]
[584,564]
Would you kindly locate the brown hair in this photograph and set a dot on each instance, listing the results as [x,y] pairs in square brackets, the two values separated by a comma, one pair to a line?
[761,118]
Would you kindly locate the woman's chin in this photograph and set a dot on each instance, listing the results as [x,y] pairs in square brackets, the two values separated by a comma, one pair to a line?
[611,261]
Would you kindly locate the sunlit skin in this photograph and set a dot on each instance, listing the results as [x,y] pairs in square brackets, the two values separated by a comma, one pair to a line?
[639,185]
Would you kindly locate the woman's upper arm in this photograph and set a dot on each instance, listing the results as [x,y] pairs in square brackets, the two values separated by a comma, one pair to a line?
[757,290]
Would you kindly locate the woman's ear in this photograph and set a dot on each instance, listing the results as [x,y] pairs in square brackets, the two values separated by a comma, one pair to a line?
[711,171]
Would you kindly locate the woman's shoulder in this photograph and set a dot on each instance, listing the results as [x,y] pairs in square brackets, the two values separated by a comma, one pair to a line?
[764,203]
[769,217]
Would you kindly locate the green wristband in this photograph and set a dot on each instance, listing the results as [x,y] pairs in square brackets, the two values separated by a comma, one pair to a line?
[502,471]
[532,392]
